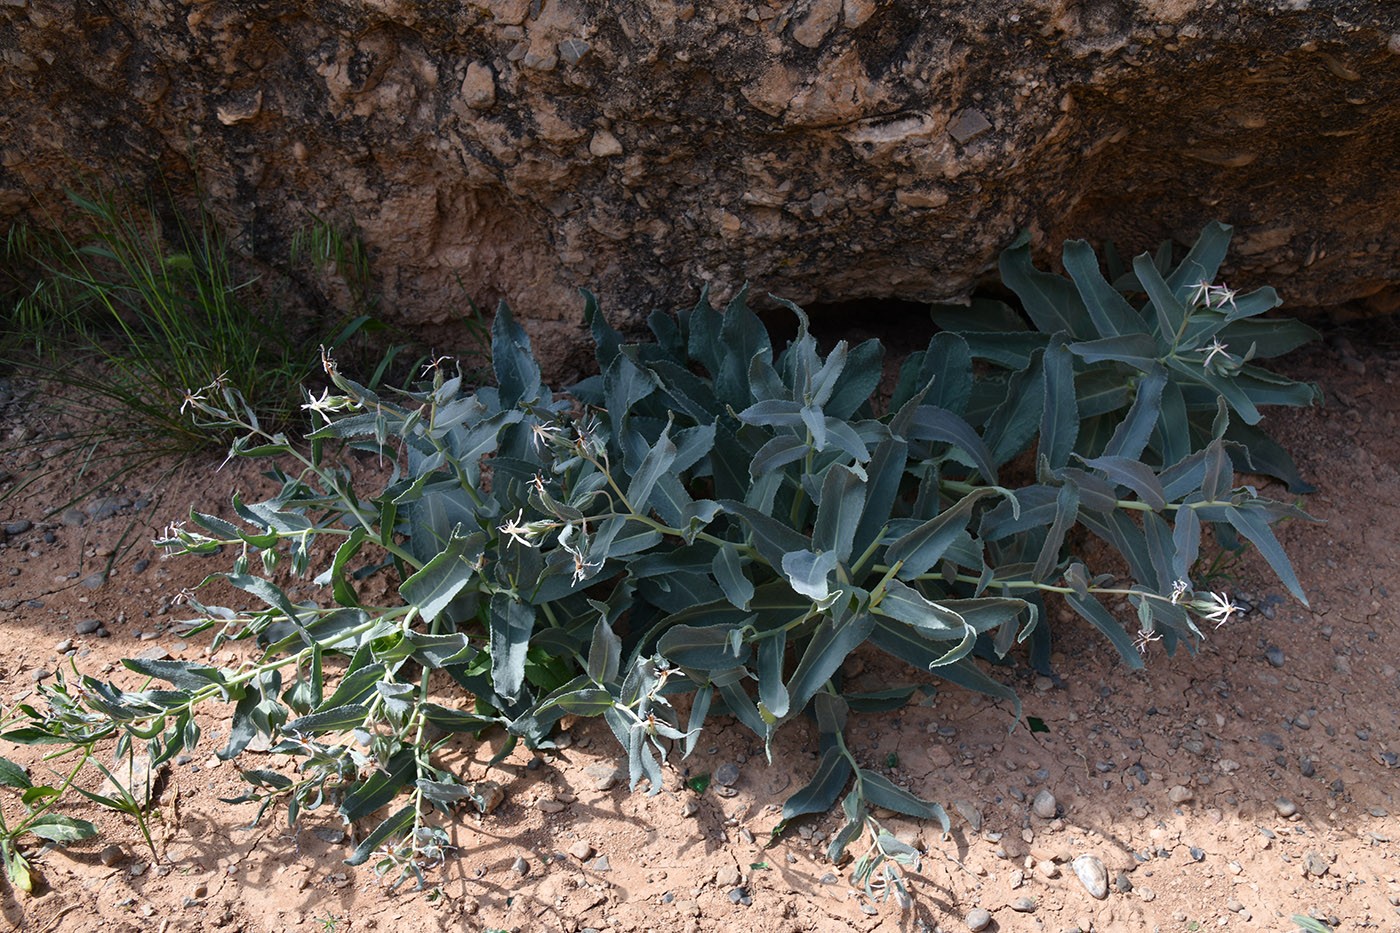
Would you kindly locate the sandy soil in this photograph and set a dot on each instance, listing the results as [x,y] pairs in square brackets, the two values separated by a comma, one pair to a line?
[1232,790]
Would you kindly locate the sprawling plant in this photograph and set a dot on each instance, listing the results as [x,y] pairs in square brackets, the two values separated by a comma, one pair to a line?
[712,517]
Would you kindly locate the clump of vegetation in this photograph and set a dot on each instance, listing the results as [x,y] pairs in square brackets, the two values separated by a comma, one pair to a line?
[717,519]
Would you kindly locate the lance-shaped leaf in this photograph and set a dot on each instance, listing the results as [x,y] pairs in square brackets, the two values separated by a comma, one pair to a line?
[604,652]
[1090,609]
[339,719]
[884,473]
[923,547]
[397,824]
[831,643]
[446,575]
[1171,314]
[778,452]
[843,497]
[882,793]
[704,647]
[818,794]
[1051,301]
[1132,434]
[937,424]
[1066,511]
[1219,477]
[1203,261]
[808,573]
[380,787]
[657,461]
[1252,524]
[771,692]
[1136,350]
[1059,419]
[58,828]
[771,537]
[512,621]
[517,373]
[1110,311]
[729,574]
[1134,474]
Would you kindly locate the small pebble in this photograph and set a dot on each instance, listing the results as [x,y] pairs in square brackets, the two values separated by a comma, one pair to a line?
[87,626]
[727,774]
[829,878]
[1274,654]
[1092,874]
[1197,853]
[1314,864]
[520,866]
[1179,794]
[1285,807]
[1271,740]
[548,805]
[1023,905]
[601,863]
[111,855]
[39,675]
[1123,883]
[1306,767]
[19,527]
[977,919]
[581,850]
[1044,805]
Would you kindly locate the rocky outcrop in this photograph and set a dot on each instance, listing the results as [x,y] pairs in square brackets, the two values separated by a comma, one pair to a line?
[820,149]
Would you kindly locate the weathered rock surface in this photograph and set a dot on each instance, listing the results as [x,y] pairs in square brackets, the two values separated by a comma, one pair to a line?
[820,149]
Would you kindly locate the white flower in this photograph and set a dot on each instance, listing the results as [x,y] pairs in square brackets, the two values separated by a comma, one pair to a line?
[1145,637]
[1215,348]
[1216,608]
[523,534]
[1200,293]
[1180,590]
[328,404]
[543,435]
[1220,296]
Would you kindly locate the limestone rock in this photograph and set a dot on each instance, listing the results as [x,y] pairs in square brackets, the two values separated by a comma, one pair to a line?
[817,149]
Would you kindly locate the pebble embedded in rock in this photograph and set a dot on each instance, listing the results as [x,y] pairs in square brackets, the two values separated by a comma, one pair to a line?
[977,919]
[1285,807]
[1023,905]
[1044,805]
[727,774]
[1092,874]
[581,850]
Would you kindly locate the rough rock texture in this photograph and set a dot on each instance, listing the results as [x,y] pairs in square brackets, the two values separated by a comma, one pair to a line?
[820,149]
